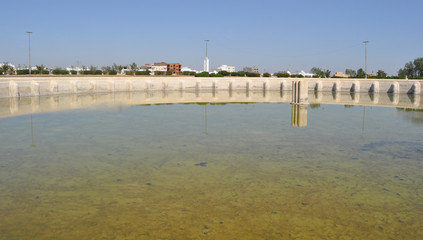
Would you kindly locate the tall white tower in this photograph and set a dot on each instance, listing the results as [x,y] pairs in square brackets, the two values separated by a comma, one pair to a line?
[206,64]
[206,59]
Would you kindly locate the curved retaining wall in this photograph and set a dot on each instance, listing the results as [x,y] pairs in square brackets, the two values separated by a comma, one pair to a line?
[36,86]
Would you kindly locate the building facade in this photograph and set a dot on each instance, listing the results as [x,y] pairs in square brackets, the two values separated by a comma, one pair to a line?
[174,67]
[159,67]
[341,75]
[226,68]
[251,69]
[164,66]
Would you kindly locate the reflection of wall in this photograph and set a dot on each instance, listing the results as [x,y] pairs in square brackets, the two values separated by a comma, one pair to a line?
[371,99]
[26,105]
[299,115]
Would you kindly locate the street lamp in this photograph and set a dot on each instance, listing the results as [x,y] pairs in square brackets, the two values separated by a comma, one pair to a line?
[29,40]
[207,41]
[365,57]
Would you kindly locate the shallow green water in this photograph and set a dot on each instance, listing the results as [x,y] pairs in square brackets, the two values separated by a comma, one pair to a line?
[195,171]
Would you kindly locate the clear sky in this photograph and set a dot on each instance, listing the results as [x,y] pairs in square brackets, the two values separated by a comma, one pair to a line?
[271,34]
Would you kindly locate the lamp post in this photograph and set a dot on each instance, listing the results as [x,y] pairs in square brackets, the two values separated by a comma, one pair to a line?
[29,41]
[365,58]
[207,41]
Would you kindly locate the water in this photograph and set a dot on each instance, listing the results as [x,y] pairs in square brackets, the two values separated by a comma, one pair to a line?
[212,171]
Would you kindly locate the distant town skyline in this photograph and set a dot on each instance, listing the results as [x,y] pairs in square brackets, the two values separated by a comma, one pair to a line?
[271,35]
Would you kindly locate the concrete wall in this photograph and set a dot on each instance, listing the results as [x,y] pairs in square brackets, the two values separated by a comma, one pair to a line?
[39,86]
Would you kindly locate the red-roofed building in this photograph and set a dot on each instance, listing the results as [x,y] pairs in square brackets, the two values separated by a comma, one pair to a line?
[163,66]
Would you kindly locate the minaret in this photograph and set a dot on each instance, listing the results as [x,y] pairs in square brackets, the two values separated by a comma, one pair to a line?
[206,60]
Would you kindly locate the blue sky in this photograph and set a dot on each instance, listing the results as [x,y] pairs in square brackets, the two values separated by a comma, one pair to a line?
[273,35]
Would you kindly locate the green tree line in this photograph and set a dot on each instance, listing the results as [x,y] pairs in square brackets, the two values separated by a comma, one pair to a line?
[412,69]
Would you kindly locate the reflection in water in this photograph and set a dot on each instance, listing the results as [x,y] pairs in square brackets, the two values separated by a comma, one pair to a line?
[412,97]
[150,172]
[19,106]
[352,95]
[32,134]
[362,123]
[205,119]
[315,105]
[299,115]
[415,115]
[372,97]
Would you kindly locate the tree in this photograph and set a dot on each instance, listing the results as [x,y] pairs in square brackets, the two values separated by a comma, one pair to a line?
[133,66]
[282,75]
[381,74]
[327,73]
[402,73]
[250,74]
[159,72]
[106,68]
[412,69]
[409,68]
[203,74]
[187,73]
[241,73]
[216,75]
[418,67]
[225,73]
[318,72]
[361,73]
[115,67]
[7,69]
[351,72]
[40,67]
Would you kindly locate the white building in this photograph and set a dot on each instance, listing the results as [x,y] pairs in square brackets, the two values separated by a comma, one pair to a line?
[226,68]
[206,64]
[306,74]
[72,68]
[10,65]
[162,68]
[124,70]
[310,75]
[187,69]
